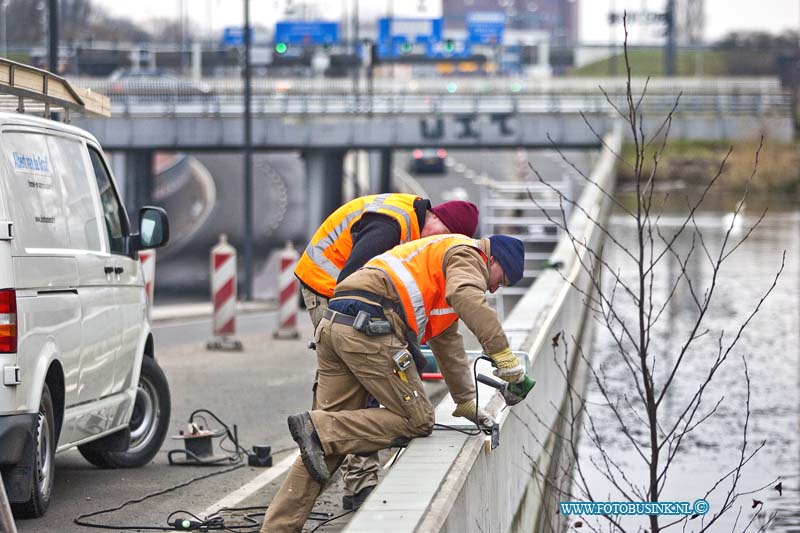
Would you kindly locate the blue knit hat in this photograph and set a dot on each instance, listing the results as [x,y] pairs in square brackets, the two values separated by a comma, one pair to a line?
[511,254]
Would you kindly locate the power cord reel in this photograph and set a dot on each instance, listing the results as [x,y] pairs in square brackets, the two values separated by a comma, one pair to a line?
[199,449]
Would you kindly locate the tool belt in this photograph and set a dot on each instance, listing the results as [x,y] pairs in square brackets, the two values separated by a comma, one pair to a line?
[408,334]
[362,322]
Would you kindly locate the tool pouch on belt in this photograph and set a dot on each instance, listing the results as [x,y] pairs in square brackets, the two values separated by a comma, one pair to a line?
[363,322]
[413,345]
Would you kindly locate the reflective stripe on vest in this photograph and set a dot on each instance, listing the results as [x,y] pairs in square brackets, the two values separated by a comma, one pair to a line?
[423,294]
[325,256]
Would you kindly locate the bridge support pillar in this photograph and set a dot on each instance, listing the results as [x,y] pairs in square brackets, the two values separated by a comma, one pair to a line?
[380,171]
[324,173]
[133,170]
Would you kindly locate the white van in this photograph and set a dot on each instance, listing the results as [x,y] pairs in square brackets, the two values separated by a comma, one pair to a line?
[76,350]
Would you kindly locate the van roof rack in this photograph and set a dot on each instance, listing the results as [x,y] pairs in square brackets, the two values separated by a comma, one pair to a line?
[27,89]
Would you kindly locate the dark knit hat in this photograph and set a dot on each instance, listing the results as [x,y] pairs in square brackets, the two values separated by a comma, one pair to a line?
[511,254]
[459,216]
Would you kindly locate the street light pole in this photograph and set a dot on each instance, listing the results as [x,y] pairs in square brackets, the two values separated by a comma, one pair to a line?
[669,52]
[3,38]
[248,160]
[53,40]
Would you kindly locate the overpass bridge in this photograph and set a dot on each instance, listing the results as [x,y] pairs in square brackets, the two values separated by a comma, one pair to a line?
[318,114]
[323,118]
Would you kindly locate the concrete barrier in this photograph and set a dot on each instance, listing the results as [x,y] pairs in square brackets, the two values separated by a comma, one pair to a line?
[450,481]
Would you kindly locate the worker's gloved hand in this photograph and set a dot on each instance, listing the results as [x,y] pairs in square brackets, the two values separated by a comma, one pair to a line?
[473,413]
[508,366]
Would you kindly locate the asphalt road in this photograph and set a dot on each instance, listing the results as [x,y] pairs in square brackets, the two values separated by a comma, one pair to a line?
[466,169]
[168,334]
[255,389]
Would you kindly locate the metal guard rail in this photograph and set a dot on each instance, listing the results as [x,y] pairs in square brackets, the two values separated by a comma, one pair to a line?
[332,104]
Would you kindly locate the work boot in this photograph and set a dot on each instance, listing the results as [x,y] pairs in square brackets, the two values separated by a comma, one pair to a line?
[355,501]
[304,434]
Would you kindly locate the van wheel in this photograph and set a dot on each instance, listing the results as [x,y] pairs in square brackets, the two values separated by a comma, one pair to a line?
[148,425]
[44,450]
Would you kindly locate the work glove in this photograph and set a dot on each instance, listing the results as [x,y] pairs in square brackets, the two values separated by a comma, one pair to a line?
[508,366]
[473,413]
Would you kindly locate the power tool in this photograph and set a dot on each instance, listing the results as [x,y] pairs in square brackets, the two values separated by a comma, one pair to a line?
[512,393]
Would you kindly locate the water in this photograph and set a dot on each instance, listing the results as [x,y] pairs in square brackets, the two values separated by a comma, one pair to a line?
[771,345]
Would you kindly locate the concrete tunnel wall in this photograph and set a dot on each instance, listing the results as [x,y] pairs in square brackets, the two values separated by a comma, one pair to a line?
[451,482]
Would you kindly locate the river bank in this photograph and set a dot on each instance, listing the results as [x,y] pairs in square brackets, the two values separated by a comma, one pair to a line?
[694,163]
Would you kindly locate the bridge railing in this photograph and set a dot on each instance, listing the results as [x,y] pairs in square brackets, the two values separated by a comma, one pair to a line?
[194,102]
[426,96]
[452,482]
[440,85]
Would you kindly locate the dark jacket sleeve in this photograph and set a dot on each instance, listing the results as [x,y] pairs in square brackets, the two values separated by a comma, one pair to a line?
[372,235]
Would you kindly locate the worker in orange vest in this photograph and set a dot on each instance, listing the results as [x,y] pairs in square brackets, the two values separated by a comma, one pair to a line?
[352,235]
[415,292]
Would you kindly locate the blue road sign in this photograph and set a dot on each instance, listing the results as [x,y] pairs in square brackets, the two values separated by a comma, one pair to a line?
[234,36]
[396,34]
[307,33]
[485,27]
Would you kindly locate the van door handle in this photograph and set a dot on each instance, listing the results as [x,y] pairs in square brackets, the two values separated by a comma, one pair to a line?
[108,270]
[118,270]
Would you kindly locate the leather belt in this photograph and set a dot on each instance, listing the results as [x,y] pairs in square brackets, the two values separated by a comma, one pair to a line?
[339,318]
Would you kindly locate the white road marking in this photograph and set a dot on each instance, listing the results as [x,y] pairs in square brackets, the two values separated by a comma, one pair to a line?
[407,182]
[232,499]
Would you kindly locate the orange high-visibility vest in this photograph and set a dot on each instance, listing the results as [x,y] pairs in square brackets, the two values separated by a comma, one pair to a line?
[417,273]
[325,256]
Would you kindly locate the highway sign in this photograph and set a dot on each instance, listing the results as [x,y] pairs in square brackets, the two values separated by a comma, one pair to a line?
[422,31]
[485,27]
[234,36]
[306,33]
[405,36]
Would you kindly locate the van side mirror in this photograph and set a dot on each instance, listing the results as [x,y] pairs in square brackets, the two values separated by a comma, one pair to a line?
[153,229]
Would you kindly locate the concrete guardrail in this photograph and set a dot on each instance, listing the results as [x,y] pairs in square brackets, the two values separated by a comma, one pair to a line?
[453,482]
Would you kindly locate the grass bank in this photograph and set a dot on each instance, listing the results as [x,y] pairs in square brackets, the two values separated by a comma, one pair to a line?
[697,162]
[651,63]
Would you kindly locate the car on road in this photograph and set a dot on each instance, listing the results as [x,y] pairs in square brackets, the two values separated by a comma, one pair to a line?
[428,160]
[76,349]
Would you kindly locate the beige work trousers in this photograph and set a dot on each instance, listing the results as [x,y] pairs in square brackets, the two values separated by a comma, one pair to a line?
[352,366]
[358,472]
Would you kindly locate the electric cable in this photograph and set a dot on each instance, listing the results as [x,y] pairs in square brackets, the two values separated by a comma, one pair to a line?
[80,519]
[480,429]
[329,520]
[192,522]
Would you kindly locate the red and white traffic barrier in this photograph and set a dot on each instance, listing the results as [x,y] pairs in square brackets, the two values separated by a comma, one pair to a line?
[148,260]
[223,294]
[287,294]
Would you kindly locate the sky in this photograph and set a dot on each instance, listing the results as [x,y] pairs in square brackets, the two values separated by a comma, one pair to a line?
[722,16]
